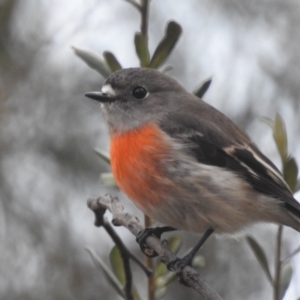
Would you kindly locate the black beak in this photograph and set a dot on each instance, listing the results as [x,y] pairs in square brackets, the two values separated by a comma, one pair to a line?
[99,96]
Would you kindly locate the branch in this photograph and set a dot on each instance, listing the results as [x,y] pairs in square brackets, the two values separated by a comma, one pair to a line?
[125,253]
[189,276]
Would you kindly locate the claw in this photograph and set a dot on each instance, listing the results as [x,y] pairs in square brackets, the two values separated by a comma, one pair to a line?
[143,235]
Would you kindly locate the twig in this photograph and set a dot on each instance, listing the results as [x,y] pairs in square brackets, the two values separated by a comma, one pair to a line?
[144,17]
[125,253]
[149,264]
[189,276]
[276,284]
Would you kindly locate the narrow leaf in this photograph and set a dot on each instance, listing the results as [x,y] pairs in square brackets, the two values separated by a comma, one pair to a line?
[112,61]
[141,48]
[279,133]
[109,275]
[202,88]
[164,280]
[93,60]
[117,264]
[267,121]
[165,69]
[136,5]
[160,292]
[296,251]
[160,270]
[108,179]
[175,242]
[290,173]
[102,155]
[260,256]
[297,185]
[198,261]
[166,45]
[285,278]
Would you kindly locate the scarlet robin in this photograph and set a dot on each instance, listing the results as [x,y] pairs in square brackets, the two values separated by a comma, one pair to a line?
[184,163]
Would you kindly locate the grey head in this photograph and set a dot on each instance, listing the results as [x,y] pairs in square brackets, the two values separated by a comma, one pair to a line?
[132,97]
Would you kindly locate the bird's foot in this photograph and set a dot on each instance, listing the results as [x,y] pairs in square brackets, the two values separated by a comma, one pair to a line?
[143,235]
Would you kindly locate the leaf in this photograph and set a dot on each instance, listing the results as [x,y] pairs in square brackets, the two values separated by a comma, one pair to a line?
[198,261]
[165,280]
[166,45]
[260,256]
[109,275]
[165,69]
[285,278]
[175,242]
[297,188]
[290,173]
[102,155]
[93,60]
[202,88]
[141,48]
[108,179]
[116,262]
[279,133]
[160,292]
[296,251]
[267,121]
[136,5]
[112,61]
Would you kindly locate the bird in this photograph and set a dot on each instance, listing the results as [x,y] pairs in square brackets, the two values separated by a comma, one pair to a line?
[184,163]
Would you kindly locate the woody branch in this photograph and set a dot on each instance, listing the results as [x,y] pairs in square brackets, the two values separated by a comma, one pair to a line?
[189,276]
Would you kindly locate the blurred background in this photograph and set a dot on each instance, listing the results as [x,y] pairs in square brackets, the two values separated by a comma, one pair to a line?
[48,132]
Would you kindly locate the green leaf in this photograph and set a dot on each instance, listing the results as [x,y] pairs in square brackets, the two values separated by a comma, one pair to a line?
[102,155]
[175,242]
[296,251]
[279,133]
[141,48]
[290,173]
[112,61]
[166,45]
[109,275]
[93,60]
[116,262]
[160,292]
[267,121]
[136,5]
[165,280]
[160,270]
[202,88]
[198,261]
[285,278]
[108,179]
[297,188]
[260,256]
[166,68]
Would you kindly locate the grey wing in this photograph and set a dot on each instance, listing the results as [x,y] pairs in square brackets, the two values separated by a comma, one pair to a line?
[228,147]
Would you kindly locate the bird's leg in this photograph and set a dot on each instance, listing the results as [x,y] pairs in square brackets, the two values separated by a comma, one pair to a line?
[187,260]
[157,232]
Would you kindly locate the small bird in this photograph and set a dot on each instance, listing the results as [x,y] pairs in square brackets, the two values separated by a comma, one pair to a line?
[184,163]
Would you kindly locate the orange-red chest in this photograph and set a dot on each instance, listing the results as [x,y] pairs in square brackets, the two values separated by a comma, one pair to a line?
[137,163]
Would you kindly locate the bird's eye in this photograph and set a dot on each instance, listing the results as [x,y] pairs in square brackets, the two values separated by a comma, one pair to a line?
[139,92]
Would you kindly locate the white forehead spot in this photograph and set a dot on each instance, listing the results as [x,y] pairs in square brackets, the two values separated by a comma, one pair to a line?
[107,89]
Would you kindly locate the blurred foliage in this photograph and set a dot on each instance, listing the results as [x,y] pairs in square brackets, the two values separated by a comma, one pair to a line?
[281,281]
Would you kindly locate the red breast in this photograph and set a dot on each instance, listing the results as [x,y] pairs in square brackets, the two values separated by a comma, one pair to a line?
[137,163]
